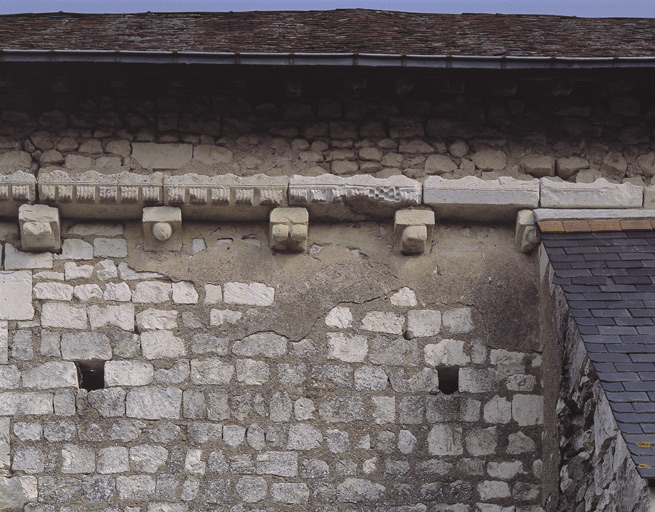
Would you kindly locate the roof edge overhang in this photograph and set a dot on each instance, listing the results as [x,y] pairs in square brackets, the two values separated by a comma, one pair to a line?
[324,59]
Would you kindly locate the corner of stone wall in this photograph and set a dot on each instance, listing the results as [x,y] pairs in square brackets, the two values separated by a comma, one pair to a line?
[587,466]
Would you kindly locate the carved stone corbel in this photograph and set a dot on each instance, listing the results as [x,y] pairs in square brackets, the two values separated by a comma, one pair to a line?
[412,231]
[40,228]
[162,228]
[289,229]
[527,236]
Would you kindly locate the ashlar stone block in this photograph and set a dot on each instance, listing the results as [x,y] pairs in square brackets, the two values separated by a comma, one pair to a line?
[412,231]
[40,229]
[526,235]
[162,228]
[289,229]
[16,295]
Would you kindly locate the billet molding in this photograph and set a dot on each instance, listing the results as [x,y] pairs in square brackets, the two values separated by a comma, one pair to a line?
[16,189]
[327,198]
[95,195]
[226,196]
[362,197]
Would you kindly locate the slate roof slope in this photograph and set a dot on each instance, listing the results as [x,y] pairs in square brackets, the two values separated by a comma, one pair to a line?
[340,31]
[609,282]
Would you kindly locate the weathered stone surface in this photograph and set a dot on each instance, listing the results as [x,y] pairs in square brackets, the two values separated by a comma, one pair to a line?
[381,321]
[110,248]
[121,316]
[208,344]
[85,346]
[64,316]
[85,292]
[340,317]
[356,198]
[211,371]
[15,189]
[405,297]
[152,292]
[161,344]
[251,372]
[567,167]
[162,228]
[252,489]
[357,490]
[17,260]
[394,352]
[92,195]
[40,228]
[162,156]
[221,316]
[156,319]
[253,294]
[283,464]
[77,459]
[489,159]
[472,198]
[599,194]
[345,347]
[446,353]
[528,409]
[16,296]
[113,459]
[526,236]
[458,320]
[412,231]
[154,403]
[538,165]
[266,344]
[342,409]
[184,293]
[226,196]
[12,496]
[52,374]
[128,373]
[445,439]
[288,229]
[293,494]
[422,323]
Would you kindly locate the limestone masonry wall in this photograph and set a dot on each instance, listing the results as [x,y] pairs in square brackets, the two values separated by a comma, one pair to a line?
[228,377]
[577,138]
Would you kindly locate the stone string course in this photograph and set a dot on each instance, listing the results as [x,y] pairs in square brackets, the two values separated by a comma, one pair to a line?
[327,197]
[192,417]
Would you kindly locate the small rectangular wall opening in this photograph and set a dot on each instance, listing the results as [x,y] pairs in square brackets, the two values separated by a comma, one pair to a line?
[91,374]
[448,379]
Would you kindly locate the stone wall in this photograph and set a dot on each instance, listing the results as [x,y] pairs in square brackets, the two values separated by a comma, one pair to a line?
[347,378]
[596,472]
[579,137]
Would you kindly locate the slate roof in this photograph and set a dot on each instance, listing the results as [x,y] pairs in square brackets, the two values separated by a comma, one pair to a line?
[609,282]
[340,31]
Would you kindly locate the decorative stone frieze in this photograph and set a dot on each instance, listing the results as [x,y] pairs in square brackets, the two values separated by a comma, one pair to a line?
[472,198]
[289,229]
[599,194]
[40,228]
[329,197]
[162,228]
[526,236]
[16,189]
[225,196]
[95,195]
[412,231]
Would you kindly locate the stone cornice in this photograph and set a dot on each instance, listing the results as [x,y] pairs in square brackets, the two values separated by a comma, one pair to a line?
[327,197]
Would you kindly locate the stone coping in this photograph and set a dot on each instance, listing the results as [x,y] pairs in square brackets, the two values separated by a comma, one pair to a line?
[327,197]
[585,221]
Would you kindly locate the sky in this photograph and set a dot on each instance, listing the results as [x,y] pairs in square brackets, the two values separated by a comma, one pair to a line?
[587,8]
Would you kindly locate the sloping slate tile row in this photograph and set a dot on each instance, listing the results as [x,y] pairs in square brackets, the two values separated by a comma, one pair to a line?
[608,279]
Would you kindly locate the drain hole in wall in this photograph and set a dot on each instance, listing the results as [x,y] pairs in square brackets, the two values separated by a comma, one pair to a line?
[448,379]
[91,374]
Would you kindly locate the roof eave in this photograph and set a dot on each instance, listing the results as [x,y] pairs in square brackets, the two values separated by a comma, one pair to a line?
[324,59]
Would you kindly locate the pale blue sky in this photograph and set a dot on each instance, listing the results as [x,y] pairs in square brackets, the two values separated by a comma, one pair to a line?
[590,8]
